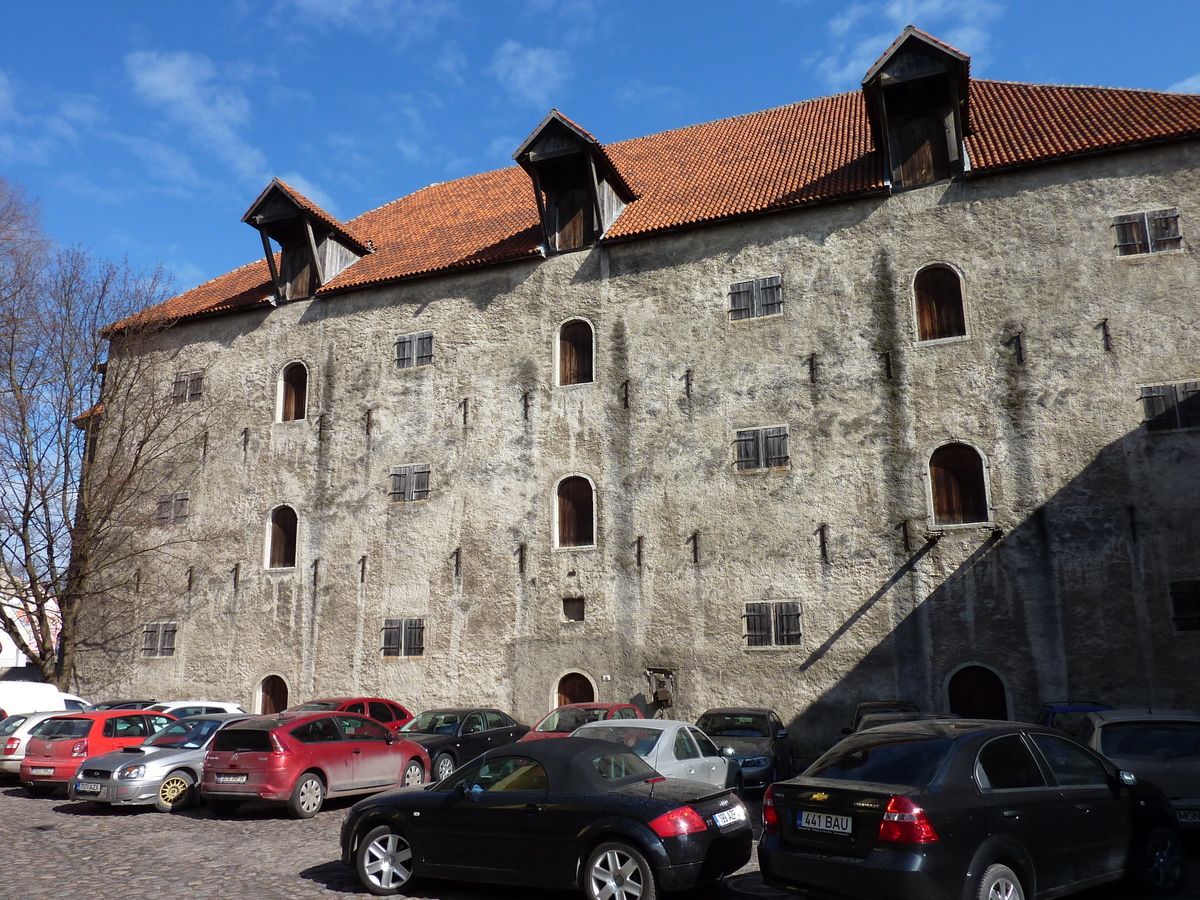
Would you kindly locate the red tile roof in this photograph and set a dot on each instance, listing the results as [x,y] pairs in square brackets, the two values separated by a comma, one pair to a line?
[810,152]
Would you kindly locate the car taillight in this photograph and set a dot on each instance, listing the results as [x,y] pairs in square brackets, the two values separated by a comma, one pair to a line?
[770,816]
[684,820]
[278,751]
[11,745]
[80,748]
[906,823]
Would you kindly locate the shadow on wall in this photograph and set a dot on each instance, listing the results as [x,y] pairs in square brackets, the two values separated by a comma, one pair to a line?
[1072,602]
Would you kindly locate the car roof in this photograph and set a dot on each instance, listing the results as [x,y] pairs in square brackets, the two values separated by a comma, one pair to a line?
[591,705]
[636,723]
[1141,714]
[949,728]
[562,761]
[96,715]
[219,717]
[460,710]
[739,711]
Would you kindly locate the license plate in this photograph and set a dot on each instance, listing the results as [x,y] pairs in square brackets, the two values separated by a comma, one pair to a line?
[729,816]
[1188,815]
[87,787]
[817,821]
[231,779]
[41,770]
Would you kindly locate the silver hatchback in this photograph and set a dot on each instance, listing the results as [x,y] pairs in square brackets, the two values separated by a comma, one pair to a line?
[162,771]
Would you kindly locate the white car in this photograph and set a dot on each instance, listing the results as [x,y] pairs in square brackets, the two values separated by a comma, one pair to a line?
[674,749]
[182,709]
[14,737]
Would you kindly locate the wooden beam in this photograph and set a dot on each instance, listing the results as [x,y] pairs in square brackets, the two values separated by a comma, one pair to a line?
[274,271]
[312,246]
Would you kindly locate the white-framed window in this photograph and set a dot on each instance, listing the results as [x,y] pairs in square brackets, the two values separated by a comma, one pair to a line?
[409,483]
[575,502]
[762,448]
[1147,232]
[171,510]
[576,352]
[757,298]
[958,485]
[293,392]
[281,538]
[158,639]
[188,387]
[414,350]
[403,637]
[772,623]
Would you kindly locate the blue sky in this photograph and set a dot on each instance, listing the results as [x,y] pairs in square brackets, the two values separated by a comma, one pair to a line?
[146,129]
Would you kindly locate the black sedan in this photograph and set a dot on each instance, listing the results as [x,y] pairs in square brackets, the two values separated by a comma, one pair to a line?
[569,813]
[452,737]
[961,808]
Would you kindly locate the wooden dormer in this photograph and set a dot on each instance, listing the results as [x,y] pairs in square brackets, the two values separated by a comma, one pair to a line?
[314,247]
[579,192]
[917,99]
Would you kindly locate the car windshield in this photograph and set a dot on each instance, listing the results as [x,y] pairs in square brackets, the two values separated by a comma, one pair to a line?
[61,729]
[316,706]
[242,740]
[638,738]
[619,766]
[189,734]
[734,725]
[1150,740]
[915,762]
[434,723]
[11,724]
[564,721]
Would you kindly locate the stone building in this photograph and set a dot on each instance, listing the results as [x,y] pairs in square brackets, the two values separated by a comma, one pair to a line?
[886,394]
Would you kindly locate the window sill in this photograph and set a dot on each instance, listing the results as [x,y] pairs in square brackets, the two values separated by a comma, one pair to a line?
[937,342]
[768,316]
[574,547]
[282,569]
[576,384]
[1142,257]
[774,648]
[936,531]
[762,471]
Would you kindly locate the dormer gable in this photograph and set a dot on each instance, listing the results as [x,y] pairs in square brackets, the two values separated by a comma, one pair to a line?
[917,98]
[579,192]
[314,247]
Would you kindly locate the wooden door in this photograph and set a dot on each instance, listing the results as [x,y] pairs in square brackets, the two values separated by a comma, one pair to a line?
[274,695]
[575,688]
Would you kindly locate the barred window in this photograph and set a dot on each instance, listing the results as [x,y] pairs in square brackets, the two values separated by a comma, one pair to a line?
[414,350]
[158,639]
[772,623]
[762,448]
[188,387]
[757,298]
[1170,407]
[409,483]
[1147,232]
[403,637]
[172,510]
[1185,605]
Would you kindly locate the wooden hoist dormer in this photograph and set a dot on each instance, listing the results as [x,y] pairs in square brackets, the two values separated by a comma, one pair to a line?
[917,98]
[314,247]
[579,192]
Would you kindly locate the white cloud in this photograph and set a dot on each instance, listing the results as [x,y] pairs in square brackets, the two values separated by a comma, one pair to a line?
[534,75]
[163,162]
[1187,86]
[189,90]
[409,20]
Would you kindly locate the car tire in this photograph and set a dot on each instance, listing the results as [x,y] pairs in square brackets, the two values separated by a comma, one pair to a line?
[1159,867]
[414,773]
[443,765]
[307,796]
[178,791]
[223,807]
[384,861]
[739,786]
[1000,883]
[613,865]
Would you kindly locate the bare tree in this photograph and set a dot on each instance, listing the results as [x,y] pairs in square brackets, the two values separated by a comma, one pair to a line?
[89,435]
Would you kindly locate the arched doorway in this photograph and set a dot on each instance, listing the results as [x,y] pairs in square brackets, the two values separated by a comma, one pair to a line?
[976,692]
[274,695]
[575,688]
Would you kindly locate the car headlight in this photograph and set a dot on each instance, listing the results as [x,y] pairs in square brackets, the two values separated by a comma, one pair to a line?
[130,772]
[756,762]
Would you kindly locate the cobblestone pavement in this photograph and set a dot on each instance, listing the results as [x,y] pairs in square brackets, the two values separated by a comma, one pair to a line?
[57,848]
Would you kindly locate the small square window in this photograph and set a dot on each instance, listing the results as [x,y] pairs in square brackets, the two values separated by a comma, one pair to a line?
[188,387]
[409,483]
[414,350]
[1185,605]
[757,298]
[573,608]
[762,448]
[158,639]
[1171,407]
[172,510]
[1147,232]
[772,623]
[403,637]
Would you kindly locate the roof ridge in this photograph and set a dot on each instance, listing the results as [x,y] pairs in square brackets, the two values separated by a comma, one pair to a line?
[1088,87]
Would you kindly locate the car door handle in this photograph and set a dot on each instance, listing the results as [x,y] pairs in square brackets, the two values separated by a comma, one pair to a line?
[531,808]
[1012,814]
[1083,807]
[356,752]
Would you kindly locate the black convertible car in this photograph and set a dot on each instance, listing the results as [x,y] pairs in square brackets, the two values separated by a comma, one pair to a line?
[452,737]
[942,810]
[568,813]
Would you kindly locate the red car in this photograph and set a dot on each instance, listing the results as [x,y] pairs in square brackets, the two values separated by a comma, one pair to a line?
[389,712]
[300,758]
[562,721]
[64,742]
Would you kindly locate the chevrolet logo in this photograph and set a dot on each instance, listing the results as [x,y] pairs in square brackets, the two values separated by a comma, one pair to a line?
[819,796]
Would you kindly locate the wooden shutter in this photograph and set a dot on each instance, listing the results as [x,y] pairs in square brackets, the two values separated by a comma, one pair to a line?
[1188,404]
[769,295]
[162,513]
[195,386]
[787,623]
[575,353]
[923,154]
[575,527]
[166,646]
[1158,406]
[414,637]
[741,300]
[419,483]
[956,477]
[572,210]
[425,348]
[749,450]
[775,446]
[283,537]
[180,389]
[404,352]
[400,479]
[295,392]
[1131,234]
[180,511]
[150,640]
[392,636]
[758,624]
[939,304]
[1164,230]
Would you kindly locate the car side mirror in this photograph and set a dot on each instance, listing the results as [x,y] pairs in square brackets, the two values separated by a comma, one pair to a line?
[390,738]
[461,789]
[1127,778]
[727,751]
[781,734]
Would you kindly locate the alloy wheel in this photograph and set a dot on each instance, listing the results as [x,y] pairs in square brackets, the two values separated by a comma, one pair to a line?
[616,875]
[387,861]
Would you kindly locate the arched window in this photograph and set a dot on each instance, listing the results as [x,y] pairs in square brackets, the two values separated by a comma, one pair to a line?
[939,304]
[283,538]
[923,154]
[575,513]
[294,383]
[575,353]
[959,491]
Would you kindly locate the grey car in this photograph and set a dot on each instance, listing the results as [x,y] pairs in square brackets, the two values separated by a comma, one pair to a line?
[754,737]
[162,771]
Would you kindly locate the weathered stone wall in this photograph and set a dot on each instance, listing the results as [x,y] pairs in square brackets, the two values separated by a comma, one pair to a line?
[1057,595]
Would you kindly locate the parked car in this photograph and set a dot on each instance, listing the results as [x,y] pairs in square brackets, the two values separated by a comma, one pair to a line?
[874,720]
[756,738]
[300,758]
[388,712]
[605,822]
[120,704]
[1158,745]
[163,771]
[15,731]
[674,749]
[1065,715]
[29,696]
[966,808]
[73,703]
[185,709]
[456,736]
[562,721]
[867,707]
[64,741]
